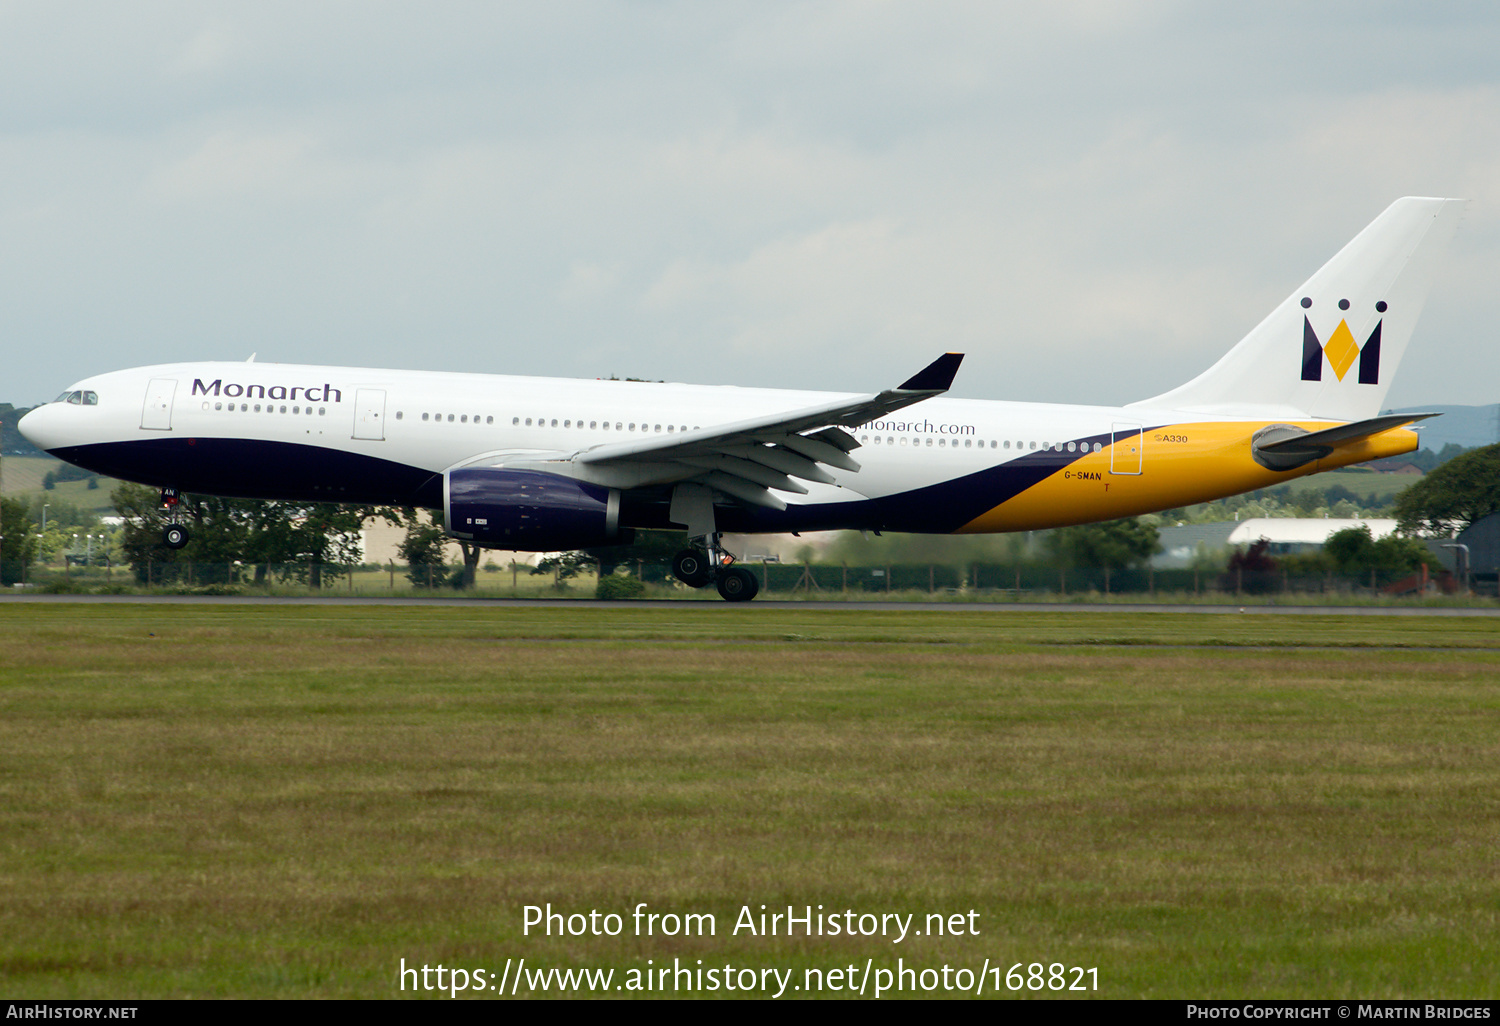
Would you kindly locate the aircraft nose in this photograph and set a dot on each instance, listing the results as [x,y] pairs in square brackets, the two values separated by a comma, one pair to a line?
[40,427]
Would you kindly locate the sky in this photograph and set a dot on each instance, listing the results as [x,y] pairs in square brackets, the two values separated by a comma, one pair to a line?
[1093,200]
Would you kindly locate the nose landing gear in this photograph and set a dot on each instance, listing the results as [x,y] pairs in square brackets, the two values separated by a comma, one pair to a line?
[174,535]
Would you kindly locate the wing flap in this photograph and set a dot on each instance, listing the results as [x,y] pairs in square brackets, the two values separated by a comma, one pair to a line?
[749,458]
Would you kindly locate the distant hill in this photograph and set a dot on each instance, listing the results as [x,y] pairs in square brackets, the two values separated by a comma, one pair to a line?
[12,442]
[24,477]
[1468,426]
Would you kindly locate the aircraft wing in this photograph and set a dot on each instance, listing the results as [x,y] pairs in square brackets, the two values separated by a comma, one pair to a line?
[748,458]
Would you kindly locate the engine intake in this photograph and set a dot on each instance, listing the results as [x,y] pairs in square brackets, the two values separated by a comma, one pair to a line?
[529,510]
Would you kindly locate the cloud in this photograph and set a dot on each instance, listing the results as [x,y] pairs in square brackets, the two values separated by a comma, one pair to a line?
[1094,199]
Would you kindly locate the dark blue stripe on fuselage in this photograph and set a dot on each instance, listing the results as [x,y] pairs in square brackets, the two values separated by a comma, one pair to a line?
[250,469]
[284,470]
[940,508]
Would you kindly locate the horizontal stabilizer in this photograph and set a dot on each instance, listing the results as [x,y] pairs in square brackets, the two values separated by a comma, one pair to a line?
[1286,447]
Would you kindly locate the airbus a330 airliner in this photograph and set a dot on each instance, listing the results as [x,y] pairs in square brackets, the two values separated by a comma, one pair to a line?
[543,464]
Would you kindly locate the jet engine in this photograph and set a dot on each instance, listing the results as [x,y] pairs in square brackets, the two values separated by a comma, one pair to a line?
[530,510]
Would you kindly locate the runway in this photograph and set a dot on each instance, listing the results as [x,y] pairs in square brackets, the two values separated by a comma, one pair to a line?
[1490,612]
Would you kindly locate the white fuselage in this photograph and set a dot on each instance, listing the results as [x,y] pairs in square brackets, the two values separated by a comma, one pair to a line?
[386,436]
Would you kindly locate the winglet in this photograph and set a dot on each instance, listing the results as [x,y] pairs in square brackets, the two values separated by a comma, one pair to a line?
[937,376]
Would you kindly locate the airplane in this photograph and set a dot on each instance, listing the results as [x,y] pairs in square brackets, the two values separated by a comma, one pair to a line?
[547,464]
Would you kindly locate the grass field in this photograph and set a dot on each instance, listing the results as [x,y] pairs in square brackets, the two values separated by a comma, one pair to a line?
[287,801]
[23,476]
[1361,482]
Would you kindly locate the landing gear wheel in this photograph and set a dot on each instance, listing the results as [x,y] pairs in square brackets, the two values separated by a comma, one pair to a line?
[175,536]
[691,568]
[737,585]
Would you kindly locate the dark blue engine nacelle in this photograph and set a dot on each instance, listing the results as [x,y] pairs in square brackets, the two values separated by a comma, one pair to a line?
[529,510]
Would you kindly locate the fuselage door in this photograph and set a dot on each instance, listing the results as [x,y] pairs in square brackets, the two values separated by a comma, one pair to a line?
[1125,449]
[369,414]
[156,415]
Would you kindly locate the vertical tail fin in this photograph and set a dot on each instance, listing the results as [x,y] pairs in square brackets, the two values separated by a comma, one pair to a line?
[1330,350]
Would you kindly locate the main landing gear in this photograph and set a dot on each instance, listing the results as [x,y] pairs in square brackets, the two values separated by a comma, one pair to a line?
[174,535]
[696,568]
[706,561]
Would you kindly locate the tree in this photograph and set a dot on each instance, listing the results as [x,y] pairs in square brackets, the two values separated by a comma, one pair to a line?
[1455,495]
[648,554]
[18,540]
[1112,545]
[422,551]
[652,550]
[567,565]
[306,542]
[1354,551]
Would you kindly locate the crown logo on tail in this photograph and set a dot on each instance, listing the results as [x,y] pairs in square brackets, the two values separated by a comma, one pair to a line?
[1341,350]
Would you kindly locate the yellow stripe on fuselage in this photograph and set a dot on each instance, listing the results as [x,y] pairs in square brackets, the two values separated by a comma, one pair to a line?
[1181,464]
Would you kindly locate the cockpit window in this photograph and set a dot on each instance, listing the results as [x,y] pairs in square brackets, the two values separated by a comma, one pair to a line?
[79,398]
[91,398]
